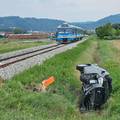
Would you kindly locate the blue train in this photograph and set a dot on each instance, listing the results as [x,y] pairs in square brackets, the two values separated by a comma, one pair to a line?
[67,33]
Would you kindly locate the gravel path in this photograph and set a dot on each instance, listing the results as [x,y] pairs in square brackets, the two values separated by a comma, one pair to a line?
[10,71]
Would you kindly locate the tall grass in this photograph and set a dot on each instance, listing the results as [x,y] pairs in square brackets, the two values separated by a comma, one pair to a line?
[13,45]
[60,102]
[110,57]
[16,101]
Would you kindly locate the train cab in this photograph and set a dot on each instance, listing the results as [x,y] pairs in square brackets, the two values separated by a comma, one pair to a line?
[67,33]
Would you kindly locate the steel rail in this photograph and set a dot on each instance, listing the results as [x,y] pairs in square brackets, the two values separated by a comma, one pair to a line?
[27,57]
[26,53]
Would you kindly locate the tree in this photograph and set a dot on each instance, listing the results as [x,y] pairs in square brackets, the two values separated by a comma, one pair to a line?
[116,26]
[18,31]
[99,32]
[106,30]
[1,36]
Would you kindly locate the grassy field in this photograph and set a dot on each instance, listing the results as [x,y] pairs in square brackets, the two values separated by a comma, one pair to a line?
[61,100]
[8,46]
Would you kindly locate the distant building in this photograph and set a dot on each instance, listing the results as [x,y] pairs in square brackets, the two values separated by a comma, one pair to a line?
[28,36]
[2,34]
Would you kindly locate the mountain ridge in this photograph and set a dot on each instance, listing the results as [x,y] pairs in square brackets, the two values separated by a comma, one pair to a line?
[30,24]
[50,25]
[93,24]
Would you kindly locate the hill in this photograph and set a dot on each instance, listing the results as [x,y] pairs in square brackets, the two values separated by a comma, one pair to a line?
[93,25]
[49,25]
[34,24]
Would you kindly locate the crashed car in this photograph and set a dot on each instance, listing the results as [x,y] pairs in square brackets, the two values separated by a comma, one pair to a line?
[96,86]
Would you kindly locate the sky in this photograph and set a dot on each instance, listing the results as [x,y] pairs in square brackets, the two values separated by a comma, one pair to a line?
[68,10]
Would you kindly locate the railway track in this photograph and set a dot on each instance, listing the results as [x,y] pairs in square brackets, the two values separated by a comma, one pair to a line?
[4,62]
[16,62]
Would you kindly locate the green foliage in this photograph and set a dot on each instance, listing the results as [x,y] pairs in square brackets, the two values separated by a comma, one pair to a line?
[117,32]
[106,30]
[19,31]
[109,31]
[116,26]
[1,36]
[111,37]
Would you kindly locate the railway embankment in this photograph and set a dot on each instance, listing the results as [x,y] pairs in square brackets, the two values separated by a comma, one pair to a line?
[16,62]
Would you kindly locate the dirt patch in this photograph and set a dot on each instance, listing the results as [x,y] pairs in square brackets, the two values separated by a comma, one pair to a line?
[116,44]
[35,87]
[90,55]
[96,56]
[116,50]
[1,82]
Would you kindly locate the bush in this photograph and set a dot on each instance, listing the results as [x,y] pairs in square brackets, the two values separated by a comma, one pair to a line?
[1,36]
[18,31]
[107,31]
[111,37]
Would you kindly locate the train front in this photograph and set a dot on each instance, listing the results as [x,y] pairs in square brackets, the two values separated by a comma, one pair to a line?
[65,34]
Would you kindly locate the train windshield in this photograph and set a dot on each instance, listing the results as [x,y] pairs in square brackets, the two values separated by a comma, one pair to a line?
[65,30]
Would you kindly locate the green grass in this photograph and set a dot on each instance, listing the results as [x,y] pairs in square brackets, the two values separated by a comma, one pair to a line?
[17,103]
[8,46]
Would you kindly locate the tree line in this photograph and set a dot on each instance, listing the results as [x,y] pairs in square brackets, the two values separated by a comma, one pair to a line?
[108,31]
